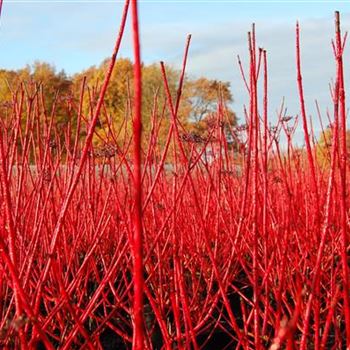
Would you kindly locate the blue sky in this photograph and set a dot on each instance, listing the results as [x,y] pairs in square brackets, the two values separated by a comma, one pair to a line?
[74,35]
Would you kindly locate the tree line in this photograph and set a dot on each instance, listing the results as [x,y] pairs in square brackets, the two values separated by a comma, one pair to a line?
[198,103]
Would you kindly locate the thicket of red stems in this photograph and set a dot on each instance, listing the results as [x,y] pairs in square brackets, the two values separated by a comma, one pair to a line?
[243,244]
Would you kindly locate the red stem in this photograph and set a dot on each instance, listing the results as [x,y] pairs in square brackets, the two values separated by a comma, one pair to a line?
[137,242]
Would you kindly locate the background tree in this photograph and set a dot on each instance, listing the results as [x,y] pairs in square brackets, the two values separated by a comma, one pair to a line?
[324,146]
[198,103]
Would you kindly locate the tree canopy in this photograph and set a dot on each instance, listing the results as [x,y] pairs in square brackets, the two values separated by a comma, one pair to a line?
[324,146]
[199,96]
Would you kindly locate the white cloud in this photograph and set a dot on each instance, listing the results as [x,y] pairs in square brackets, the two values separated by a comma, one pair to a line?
[215,49]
